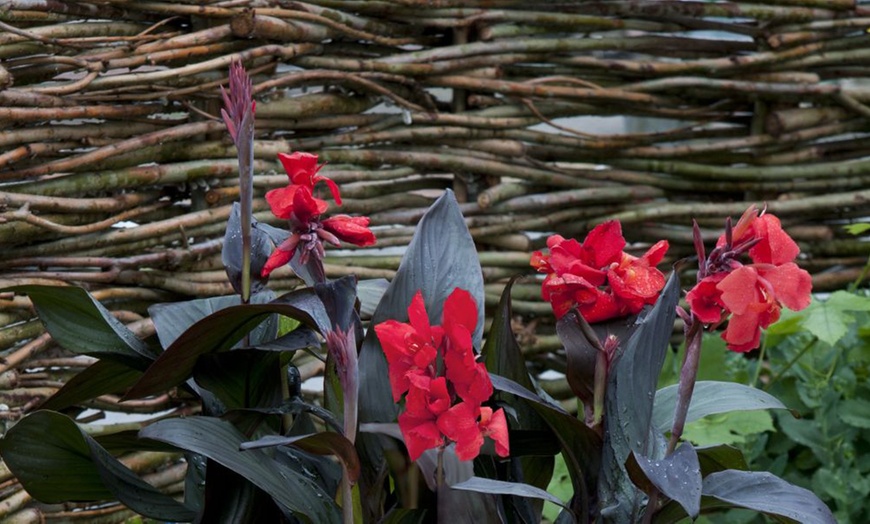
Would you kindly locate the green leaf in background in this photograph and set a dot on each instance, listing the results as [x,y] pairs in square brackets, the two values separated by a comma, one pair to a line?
[711,397]
[769,494]
[79,323]
[829,320]
[855,412]
[559,486]
[720,457]
[857,229]
[728,428]
[220,441]
[805,432]
[57,462]
[286,325]
[717,363]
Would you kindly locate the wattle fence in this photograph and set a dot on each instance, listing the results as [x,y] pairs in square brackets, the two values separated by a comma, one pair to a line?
[117,174]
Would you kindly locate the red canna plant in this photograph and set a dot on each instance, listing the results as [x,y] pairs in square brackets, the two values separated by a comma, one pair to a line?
[417,400]
[445,403]
[598,277]
[308,230]
[749,295]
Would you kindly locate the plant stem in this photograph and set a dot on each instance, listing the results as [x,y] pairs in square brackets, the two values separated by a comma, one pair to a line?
[346,498]
[759,364]
[599,387]
[688,374]
[791,362]
[439,469]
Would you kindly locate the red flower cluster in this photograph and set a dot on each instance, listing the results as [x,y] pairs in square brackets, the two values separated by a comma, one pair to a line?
[445,403]
[597,277]
[297,203]
[751,294]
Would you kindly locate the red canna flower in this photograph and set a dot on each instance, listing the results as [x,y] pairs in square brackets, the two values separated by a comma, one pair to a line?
[297,203]
[469,377]
[426,400]
[350,229]
[636,281]
[750,296]
[773,245]
[704,299]
[302,169]
[467,423]
[597,277]
[413,350]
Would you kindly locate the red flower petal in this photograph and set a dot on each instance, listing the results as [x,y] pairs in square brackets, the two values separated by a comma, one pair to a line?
[568,258]
[635,280]
[281,201]
[350,229]
[305,207]
[604,244]
[278,258]
[300,167]
[459,354]
[743,227]
[740,290]
[743,333]
[704,299]
[541,262]
[603,307]
[791,284]
[419,434]
[472,384]
[656,253]
[776,246]
[418,317]
[495,426]
[392,335]
[333,187]
[460,308]
[563,293]
[459,424]
[427,397]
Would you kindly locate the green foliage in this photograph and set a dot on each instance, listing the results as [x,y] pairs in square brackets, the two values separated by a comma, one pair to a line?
[818,364]
[257,450]
[857,229]
[728,428]
[560,486]
[828,320]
